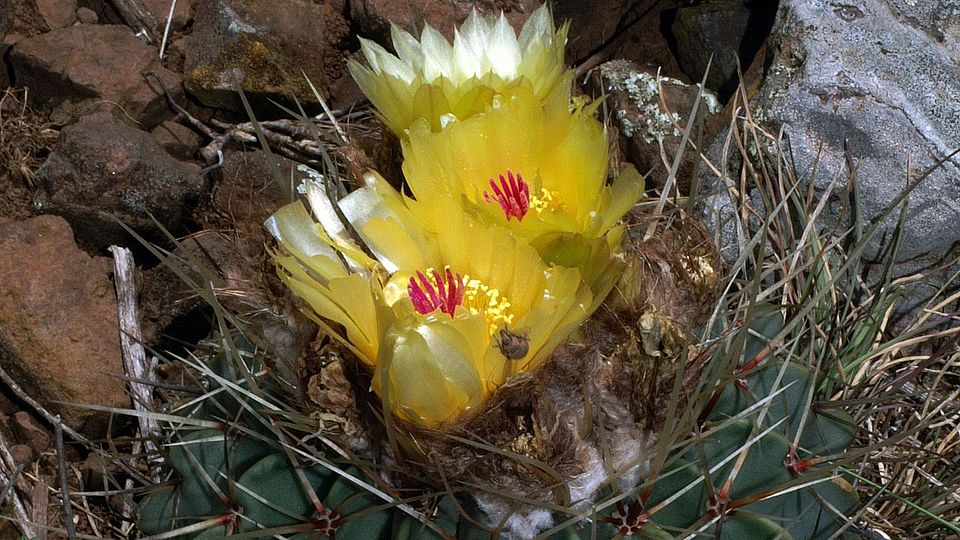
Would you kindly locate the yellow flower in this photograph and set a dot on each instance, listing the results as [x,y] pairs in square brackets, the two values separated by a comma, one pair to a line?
[534,167]
[442,318]
[433,80]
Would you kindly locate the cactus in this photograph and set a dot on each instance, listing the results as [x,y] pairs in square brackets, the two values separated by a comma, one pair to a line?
[754,471]
[757,433]
[236,477]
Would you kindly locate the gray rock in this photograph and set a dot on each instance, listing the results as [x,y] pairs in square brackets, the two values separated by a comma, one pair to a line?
[859,74]
[102,170]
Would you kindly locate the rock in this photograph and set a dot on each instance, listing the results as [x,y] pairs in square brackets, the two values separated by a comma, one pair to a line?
[246,192]
[26,20]
[6,17]
[244,196]
[97,472]
[59,336]
[57,13]
[102,170]
[94,64]
[22,454]
[593,28]
[644,125]
[28,431]
[714,29]
[160,9]
[373,17]
[87,16]
[6,78]
[860,76]
[264,48]
[178,140]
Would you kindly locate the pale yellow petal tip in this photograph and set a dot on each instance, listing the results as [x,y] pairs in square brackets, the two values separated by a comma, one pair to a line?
[486,54]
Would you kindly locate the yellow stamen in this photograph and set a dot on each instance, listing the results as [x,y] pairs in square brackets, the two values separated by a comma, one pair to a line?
[544,201]
[478,297]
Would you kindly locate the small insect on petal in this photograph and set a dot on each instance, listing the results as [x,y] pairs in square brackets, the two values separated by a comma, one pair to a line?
[512,346]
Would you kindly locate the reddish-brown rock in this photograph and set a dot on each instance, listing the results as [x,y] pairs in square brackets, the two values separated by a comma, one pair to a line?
[6,17]
[102,170]
[59,336]
[373,17]
[87,16]
[177,139]
[22,454]
[25,18]
[28,431]
[160,9]
[57,13]
[94,64]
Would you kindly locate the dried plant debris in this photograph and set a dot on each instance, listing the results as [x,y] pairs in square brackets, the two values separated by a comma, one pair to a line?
[25,136]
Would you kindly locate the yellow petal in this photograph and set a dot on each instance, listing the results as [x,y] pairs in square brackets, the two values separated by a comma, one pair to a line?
[430,369]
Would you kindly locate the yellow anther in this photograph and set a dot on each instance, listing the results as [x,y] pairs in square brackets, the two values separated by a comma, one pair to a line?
[544,201]
[479,298]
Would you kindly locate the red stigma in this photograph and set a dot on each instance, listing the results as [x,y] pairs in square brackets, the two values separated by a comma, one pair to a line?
[512,193]
[443,292]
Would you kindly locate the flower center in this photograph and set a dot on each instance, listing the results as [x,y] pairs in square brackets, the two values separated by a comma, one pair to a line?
[440,291]
[513,195]
[478,298]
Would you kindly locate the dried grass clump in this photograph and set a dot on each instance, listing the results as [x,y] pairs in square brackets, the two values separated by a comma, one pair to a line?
[25,137]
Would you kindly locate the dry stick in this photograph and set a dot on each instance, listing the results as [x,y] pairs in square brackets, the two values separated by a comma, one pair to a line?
[288,137]
[166,29]
[40,508]
[136,366]
[19,509]
[10,464]
[64,481]
[137,17]
[39,409]
[131,341]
